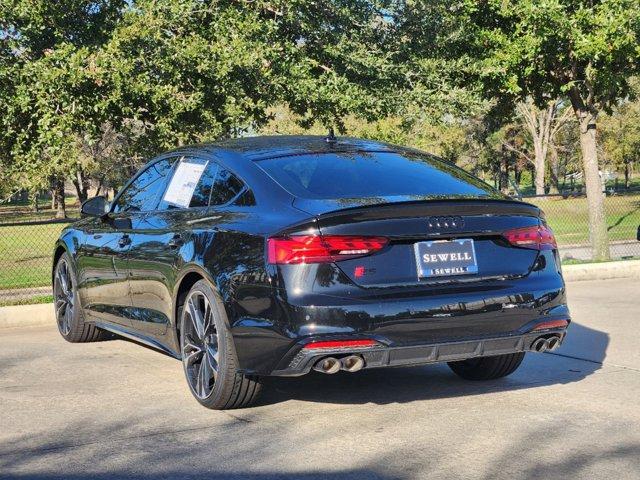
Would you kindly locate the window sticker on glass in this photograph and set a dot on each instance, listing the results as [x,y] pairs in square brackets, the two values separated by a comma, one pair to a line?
[183,183]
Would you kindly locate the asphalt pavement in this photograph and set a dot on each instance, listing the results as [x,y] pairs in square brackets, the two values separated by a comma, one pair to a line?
[118,410]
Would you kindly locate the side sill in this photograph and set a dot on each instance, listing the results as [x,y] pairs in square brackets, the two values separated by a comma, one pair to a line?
[138,338]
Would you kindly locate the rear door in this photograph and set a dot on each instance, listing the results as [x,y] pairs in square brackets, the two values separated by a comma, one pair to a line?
[158,238]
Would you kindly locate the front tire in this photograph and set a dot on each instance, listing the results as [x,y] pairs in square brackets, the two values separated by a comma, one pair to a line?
[487,368]
[208,353]
[68,310]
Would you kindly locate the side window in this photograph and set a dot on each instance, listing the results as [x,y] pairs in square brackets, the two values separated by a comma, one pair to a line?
[142,194]
[203,191]
[225,188]
[190,185]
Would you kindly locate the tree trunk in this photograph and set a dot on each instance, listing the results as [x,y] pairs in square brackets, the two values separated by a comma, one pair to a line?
[595,196]
[627,169]
[504,175]
[539,163]
[36,207]
[80,190]
[81,184]
[61,211]
[554,166]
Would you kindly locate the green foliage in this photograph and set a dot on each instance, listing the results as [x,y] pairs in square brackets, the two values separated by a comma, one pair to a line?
[620,134]
[538,48]
[89,89]
[88,84]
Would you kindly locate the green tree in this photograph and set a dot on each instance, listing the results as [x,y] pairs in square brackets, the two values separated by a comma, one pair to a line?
[94,82]
[620,133]
[545,49]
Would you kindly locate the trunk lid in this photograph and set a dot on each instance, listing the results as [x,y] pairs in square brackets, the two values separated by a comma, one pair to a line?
[407,223]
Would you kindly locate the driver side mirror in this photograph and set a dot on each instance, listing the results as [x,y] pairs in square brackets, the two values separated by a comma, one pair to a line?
[95,207]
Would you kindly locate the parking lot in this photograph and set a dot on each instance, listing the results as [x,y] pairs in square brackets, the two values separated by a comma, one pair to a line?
[117,410]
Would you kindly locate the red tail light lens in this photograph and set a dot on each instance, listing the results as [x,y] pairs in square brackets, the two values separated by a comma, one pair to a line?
[319,249]
[551,324]
[364,343]
[539,237]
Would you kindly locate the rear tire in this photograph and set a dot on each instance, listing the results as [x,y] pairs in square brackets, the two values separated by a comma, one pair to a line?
[487,368]
[208,353]
[68,311]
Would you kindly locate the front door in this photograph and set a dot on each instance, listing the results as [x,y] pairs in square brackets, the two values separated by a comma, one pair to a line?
[103,284]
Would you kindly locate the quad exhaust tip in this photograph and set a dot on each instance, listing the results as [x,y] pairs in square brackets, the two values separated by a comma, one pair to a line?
[327,365]
[543,344]
[352,363]
[553,343]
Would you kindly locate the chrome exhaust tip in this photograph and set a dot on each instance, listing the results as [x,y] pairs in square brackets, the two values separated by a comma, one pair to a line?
[327,365]
[553,343]
[540,345]
[352,363]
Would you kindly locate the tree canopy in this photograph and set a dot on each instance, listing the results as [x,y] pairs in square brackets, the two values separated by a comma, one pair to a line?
[90,88]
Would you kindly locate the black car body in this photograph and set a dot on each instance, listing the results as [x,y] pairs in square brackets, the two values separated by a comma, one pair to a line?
[310,247]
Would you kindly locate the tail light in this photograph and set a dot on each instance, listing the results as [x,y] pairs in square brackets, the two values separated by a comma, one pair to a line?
[551,324]
[360,343]
[321,249]
[538,237]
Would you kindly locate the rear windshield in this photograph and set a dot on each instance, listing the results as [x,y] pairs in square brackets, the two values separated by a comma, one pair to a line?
[372,174]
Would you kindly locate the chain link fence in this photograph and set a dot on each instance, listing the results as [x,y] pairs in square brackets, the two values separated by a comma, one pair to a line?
[568,217]
[26,247]
[27,239]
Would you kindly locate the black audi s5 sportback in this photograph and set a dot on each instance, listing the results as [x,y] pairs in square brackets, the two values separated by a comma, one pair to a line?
[275,256]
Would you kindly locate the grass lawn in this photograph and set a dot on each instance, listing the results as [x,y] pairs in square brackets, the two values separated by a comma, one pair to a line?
[25,213]
[25,255]
[569,218]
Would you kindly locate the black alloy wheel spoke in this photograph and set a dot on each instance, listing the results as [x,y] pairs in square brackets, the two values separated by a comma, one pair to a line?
[63,293]
[199,344]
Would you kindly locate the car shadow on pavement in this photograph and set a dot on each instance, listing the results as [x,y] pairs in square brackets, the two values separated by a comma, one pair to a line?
[358,474]
[581,355]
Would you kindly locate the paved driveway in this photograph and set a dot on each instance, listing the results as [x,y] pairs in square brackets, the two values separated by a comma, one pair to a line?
[116,410]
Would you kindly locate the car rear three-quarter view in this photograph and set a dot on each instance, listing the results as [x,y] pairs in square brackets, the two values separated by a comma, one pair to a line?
[276,256]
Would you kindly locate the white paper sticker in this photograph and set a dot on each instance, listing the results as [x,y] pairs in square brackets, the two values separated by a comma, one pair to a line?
[183,184]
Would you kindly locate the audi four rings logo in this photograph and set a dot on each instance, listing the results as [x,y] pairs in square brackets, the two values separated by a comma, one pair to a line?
[445,223]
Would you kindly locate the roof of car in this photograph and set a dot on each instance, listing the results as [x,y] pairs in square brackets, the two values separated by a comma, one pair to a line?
[263,147]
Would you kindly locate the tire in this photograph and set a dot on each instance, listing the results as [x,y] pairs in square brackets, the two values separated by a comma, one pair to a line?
[208,353]
[68,311]
[487,368]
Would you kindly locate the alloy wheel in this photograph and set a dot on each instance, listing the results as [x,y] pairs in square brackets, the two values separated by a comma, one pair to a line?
[199,344]
[64,297]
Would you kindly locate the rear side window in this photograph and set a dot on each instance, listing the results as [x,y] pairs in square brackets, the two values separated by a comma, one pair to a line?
[225,188]
[202,192]
[142,194]
[200,183]
[372,174]
[190,184]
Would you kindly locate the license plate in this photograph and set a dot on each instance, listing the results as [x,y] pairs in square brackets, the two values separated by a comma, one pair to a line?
[442,258]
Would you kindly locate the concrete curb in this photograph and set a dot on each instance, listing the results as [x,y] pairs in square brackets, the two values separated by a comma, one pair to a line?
[42,314]
[27,315]
[602,271]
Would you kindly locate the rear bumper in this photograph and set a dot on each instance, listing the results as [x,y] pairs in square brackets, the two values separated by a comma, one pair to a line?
[408,322]
[383,356]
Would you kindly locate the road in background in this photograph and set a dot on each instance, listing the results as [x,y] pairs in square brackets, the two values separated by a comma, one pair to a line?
[117,410]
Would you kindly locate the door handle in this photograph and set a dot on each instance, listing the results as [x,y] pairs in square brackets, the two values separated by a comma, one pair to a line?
[176,241]
[124,241]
